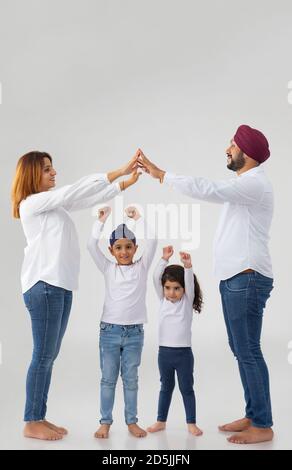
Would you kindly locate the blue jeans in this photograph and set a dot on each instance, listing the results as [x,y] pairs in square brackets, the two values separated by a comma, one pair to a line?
[49,308]
[244,298]
[120,349]
[180,360]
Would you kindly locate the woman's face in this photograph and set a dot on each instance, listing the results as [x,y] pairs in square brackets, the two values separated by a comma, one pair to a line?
[48,175]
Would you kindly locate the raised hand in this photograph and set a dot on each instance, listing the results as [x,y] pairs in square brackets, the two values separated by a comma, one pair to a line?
[131,165]
[146,165]
[103,213]
[186,259]
[130,181]
[132,212]
[167,252]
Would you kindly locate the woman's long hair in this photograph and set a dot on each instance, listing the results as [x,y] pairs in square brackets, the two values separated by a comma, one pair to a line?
[27,178]
[176,273]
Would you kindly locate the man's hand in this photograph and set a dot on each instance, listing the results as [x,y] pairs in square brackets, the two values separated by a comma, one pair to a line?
[167,252]
[103,214]
[149,167]
[186,259]
[132,212]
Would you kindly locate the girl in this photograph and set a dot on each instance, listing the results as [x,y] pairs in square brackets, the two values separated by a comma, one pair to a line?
[51,266]
[179,293]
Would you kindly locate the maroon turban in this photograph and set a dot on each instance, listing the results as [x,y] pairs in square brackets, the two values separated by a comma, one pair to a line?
[253,143]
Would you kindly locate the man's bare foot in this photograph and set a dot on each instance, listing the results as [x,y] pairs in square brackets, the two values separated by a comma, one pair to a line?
[39,430]
[58,429]
[236,426]
[158,426]
[194,430]
[136,431]
[103,431]
[252,436]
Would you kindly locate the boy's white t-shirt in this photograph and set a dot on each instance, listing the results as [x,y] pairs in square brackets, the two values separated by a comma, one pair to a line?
[175,318]
[125,286]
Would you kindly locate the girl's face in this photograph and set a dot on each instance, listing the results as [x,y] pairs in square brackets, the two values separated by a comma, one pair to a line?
[48,175]
[124,251]
[173,291]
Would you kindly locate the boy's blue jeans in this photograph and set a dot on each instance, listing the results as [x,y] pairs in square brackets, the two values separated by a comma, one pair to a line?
[244,298]
[120,349]
[49,308]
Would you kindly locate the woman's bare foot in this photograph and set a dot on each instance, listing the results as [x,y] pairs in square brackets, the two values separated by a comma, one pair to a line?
[158,426]
[236,426]
[103,431]
[252,436]
[58,429]
[136,431]
[39,430]
[194,430]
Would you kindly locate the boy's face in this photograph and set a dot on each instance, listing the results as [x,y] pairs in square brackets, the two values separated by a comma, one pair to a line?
[124,251]
[173,291]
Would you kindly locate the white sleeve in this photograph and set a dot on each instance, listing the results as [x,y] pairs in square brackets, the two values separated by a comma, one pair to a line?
[240,190]
[105,195]
[99,258]
[189,284]
[63,197]
[157,275]
[151,241]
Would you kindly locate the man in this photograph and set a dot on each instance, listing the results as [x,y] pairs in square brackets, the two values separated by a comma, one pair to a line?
[243,266]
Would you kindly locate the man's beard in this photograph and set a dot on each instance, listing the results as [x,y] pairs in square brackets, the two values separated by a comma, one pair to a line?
[238,163]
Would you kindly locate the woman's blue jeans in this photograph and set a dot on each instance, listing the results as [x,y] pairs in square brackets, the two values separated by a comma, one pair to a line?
[244,298]
[49,308]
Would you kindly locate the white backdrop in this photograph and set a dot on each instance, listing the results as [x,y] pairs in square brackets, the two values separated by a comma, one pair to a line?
[89,81]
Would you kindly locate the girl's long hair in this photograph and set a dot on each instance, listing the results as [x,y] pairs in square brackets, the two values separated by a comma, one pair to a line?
[176,273]
[27,178]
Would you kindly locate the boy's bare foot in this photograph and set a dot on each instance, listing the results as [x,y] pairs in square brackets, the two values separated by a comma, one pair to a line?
[194,430]
[252,436]
[158,426]
[103,431]
[58,429]
[236,426]
[136,431]
[39,430]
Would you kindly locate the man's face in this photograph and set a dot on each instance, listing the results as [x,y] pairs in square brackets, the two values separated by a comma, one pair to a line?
[235,157]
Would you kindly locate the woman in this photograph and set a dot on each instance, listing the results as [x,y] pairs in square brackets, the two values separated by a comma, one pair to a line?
[51,265]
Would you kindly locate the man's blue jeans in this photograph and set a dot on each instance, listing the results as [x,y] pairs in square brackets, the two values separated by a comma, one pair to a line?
[120,349]
[49,308]
[244,298]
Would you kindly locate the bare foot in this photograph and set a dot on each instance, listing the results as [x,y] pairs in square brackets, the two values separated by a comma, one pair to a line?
[158,426]
[39,430]
[252,436]
[103,431]
[136,431]
[236,426]
[194,430]
[58,429]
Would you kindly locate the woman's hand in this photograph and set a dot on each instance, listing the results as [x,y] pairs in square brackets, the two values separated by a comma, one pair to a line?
[167,252]
[132,180]
[146,165]
[103,213]
[186,259]
[132,212]
[127,169]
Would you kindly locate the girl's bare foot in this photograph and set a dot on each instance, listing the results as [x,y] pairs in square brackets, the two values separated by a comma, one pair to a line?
[136,431]
[39,430]
[252,436]
[236,426]
[103,431]
[158,426]
[194,430]
[58,429]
